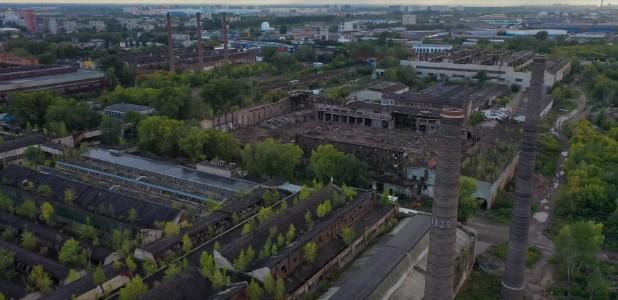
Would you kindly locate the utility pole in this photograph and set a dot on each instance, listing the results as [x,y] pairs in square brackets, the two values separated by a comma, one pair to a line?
[439,281]
[513,282]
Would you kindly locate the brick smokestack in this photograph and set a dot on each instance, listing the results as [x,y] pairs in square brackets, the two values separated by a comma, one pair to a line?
[513,283]
[200,47]
[170,44]
[225,37]
[439,281]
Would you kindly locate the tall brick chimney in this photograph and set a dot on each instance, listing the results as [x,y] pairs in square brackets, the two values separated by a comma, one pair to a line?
[513,282]
[200,47]
[225,37]
[439,281]
[170,44]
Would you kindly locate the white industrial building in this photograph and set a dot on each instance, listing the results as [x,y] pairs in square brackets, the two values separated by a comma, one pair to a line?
[498,73]
[431,48]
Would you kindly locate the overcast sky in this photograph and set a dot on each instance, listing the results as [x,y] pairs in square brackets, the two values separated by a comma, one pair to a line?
[313,2]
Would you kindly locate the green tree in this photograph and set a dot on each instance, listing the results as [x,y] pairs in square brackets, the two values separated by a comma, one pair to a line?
[279,289]
[69,197]
[475,118]
[577,246]
[310,252]
[131,265]
[385,198]
[39,280]
[348,191]
[280,240]
[468,205]
[171,229]
[304,193]
[306,53]
[72,276]
[270,197]
[133,289]
[28,240]
[268,53]
[290,234]
[27,209]
[47,212]
[597,286]
[7,264]
[172,270]
[246,228]
[192,143]
[159,134]
[265,214]
[541,35]
[348,235]
[72,114]
[98,276]
[6,204]
[72,254]
[34,156]
[149,267]
[207,263]
[402,74]
[30,108]
[285,62]
[111,129]
[187,245]
[271,158]
[308,218]
[44,190]
[132,215]
[254,291]
[224,93]
[269,284]
[327,162]
[88,232]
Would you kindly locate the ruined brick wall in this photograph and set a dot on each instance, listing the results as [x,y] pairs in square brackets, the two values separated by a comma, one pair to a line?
[287,264]
[248,116]
[380,160]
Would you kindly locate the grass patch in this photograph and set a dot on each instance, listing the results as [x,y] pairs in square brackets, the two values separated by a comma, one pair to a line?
[534,254]
[548,155]
[480,286]
[501,211]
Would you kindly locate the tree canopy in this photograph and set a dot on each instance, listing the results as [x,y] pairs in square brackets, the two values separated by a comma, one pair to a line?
[271,158]
[327,162]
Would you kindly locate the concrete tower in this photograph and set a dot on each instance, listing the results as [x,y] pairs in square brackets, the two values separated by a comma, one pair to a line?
[225,37]
[513,284]
[439,281]
[200,47]
[170,44]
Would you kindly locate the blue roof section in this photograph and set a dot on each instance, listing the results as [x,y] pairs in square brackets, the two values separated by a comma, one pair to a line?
[170,170]
[483,190]
[133,181]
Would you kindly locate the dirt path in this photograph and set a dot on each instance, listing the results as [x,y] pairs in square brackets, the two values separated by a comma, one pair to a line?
[540,276]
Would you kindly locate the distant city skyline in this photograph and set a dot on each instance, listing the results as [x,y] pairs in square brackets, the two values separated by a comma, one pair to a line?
[315,2]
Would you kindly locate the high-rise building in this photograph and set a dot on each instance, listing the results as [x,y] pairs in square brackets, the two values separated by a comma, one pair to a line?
[408,19]
[52,26]
[29,20]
